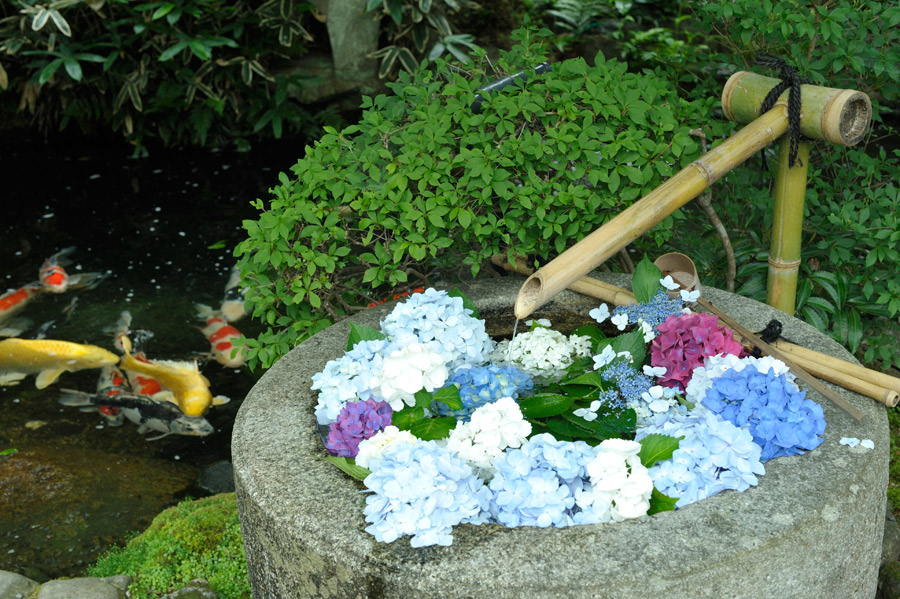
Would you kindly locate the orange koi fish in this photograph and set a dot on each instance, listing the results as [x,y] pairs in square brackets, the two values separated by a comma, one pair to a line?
[11,303]
[47,358]
[221,337]
[54,278]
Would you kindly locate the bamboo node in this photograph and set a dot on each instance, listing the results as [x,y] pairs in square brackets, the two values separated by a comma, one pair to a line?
[778,264]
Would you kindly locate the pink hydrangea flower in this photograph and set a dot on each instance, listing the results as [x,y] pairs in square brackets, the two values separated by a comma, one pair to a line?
[685,341]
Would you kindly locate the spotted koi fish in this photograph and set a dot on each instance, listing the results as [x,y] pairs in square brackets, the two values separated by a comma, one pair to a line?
[233,306]
[110,384]
[54,278]
[11,303]
[221,337]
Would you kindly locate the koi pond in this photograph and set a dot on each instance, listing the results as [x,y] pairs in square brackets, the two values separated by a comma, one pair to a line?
[164,228]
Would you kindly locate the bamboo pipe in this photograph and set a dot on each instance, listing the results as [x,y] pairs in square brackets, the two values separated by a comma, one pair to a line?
[861,372]
[629,224]
[840,116]
[787,227]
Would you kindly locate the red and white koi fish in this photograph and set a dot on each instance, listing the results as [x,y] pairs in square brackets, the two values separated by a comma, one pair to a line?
[110,384]
[11,303]
[221,337]
[233,306]
[55,279]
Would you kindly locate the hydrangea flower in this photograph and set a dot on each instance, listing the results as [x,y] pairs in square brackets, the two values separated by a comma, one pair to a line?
[780,418]
[408,370]
[600,314]
[442,324]
[535,485]
[375,445]
[620,486]
[631,383]
[713,456]
[654,312]
[608,399]
[492,428]
[685,341]
[352,377]
[480,385]
[358,420]
[423,490]
[714,366]
[542,353]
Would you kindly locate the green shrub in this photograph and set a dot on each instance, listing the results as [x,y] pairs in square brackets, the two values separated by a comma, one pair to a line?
[422,185]
[199,71]
[195,539]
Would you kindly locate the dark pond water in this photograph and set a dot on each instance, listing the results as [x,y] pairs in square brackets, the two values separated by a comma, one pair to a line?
[165,227]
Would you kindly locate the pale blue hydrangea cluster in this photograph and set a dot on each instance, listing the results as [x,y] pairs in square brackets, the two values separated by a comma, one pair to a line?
[654,312]
[778,415]
[349,378]
[441,323]
[713,456]
[422,490]
[481,385]
[536,484]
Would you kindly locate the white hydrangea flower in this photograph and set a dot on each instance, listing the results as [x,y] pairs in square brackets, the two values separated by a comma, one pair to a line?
[604,358]
[659,399]
[620,486]
[600,314]
[669,283]
[589,413]
[493,428]
[620,320]
[654,371]
[407,371]
[543,352]
[648,330]
[690,296]
[375,445]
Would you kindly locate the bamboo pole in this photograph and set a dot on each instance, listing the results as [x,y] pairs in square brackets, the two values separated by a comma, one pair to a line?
[806,377]
[632,222]
[787,227]
[861,372]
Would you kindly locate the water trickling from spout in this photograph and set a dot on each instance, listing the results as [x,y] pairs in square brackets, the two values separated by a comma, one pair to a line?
[511,339]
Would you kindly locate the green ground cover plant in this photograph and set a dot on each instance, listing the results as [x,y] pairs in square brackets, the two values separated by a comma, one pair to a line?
[424,186]
[194,539]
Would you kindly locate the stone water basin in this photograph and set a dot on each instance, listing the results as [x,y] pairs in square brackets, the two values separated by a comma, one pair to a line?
[811,529]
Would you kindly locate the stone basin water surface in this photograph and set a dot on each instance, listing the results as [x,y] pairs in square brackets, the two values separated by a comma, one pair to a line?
[811,529]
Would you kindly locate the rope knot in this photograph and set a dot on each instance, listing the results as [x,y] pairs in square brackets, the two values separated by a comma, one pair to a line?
[792,80]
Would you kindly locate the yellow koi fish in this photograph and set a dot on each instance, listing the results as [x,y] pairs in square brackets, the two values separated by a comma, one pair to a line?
[184,385]
[47,358]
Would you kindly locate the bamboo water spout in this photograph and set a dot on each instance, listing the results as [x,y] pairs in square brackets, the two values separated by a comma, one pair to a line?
[839,116]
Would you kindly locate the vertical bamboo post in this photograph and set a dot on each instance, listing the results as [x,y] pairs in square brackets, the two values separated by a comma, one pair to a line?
[787,227]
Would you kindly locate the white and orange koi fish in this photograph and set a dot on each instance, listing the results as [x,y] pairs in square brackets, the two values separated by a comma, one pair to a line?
[110,384]
[183,384]
[221,337]
[48,359]
[54,278]
[233,306]
[11,303]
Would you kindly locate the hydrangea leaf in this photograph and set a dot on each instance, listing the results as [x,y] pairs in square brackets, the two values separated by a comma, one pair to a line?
[633,343]
[448,396]
[360,332]
[613,425]
[564,430]
[467,303]
[405,418]
[661,503]
[645,280]
[591,331]
[592,378]
[431,429]
[657,447]
[545,405]
[348,466]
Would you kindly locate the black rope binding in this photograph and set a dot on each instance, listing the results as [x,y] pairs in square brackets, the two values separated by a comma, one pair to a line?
[789,79]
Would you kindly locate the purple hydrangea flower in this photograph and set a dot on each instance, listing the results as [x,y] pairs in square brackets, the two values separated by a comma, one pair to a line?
[358,420]
[780,418]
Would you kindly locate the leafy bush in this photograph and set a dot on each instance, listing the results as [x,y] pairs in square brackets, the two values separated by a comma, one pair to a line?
[199,71]
[423,185]
[195,539]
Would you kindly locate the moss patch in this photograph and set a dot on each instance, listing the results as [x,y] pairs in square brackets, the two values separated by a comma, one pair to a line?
[893,491]
[194,539]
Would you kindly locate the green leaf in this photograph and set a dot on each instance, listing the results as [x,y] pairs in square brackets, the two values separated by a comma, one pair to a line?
[655,448]
[633,343]
[591,331]
[405,418]
[592,378]
[615,425]
[661,503]
[449,396]
[48,71]
[348,466]
[431,429]
[360,332]
[645,280]
[545,405]
[172,51]
[73,68]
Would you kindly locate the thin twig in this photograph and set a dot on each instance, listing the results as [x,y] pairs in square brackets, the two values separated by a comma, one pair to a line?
[705,201]
[627,264]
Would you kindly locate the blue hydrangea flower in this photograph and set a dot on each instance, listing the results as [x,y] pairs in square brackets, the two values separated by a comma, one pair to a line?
[654,312]
[423,490]
[631,383]
[780,418]
[349,378]
[480,385]
[441,323]
[713,456]
[535,485]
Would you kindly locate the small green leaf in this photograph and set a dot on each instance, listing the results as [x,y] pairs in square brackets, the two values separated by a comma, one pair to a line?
[430,429]
[360,332]
[405,418]
[645,280]
[655,448]
[348,466]
[449,396]
[661,503]
[217,245]
[633,343]
[545,405]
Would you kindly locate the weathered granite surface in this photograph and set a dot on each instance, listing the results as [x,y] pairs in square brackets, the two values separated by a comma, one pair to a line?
[812,528]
